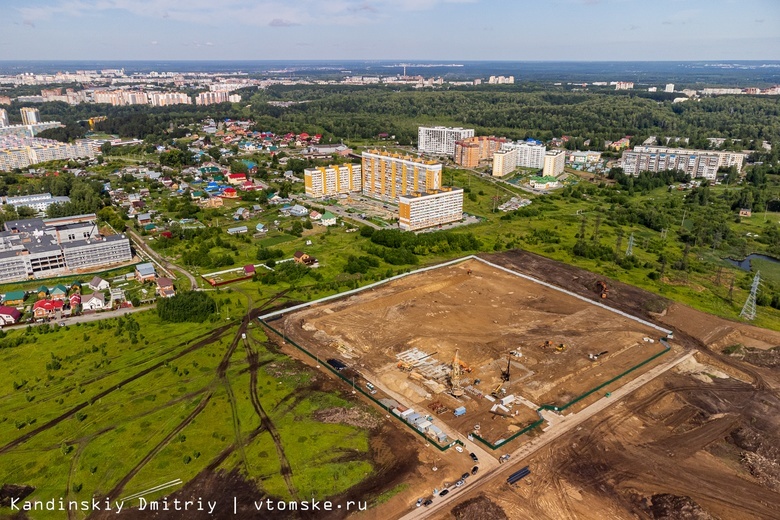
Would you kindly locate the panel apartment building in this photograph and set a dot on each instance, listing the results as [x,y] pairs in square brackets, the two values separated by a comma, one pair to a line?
[471,151]
[387,175]
[427,209]
[41,248]
[21,152]
[332,180]
[440,140]
[521,154]
[696,163]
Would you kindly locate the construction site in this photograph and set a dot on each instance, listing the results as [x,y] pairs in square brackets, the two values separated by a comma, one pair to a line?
[478,350]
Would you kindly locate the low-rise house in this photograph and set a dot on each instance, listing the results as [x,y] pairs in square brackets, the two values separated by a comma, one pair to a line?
[74,300]
[9,315]
[145,272]
[94,302]
[249,269]
[165,287]
[236,178]
[213,202]
[98,284]
[42,292]
[315,215]
[47,308]
[59,292]
[144,219]
[241,214]
[328,219]
[14,298]
[298,211]
[302,258]
[229,193]
[744,212]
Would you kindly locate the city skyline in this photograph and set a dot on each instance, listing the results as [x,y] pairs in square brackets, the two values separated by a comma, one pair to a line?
[578,30]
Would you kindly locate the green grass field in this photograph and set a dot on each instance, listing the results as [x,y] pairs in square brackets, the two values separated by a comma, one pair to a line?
[130,383]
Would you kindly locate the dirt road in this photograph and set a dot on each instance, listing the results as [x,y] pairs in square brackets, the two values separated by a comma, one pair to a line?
[160,260]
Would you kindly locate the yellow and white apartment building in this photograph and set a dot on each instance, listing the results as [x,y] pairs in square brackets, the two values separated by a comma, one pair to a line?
[326,181]
[427,209]
[388,176]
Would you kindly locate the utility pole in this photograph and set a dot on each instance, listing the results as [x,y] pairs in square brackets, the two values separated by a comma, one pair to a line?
[683,219]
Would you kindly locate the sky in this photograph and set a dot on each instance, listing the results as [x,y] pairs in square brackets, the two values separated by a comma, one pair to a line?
[561,30]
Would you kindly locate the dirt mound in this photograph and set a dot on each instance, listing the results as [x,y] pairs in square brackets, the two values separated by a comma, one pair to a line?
[11,491]
[479,508]
[352,416]
[761,455]
[763,358]
[673,507]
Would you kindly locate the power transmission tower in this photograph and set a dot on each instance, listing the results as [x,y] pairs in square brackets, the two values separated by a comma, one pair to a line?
[749,310]
[663,234]
[595,236]
[630,248]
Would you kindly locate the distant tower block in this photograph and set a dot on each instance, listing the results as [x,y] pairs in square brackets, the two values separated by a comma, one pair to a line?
[749,310]
[630,248]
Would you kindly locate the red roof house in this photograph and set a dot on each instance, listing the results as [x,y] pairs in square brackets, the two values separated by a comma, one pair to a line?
[45,308]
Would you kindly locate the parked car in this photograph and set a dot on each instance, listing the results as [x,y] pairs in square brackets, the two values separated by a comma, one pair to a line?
[459,483]
[419,502]
[428,502]
[443,493]
[474,457]
[474,470]
[458,449]
[465,475]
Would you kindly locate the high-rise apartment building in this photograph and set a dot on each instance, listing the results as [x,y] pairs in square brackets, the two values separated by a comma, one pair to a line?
[530,154]
[387,175]
[696,163]
[554,162]
[212,97]
[421,210]
[669,87]
[3,118]
[121,97]
[332,180]
[504,162]
[30,116]
[440,140]
[164,99]
[471,151]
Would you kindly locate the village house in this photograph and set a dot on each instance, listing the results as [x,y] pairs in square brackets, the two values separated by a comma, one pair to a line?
[94,302]
[302,258]
[165,287]
[145,272]
[9,315]
[98,284]
[47,308]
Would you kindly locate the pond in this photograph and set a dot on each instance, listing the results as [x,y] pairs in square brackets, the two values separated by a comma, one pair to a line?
[745,264]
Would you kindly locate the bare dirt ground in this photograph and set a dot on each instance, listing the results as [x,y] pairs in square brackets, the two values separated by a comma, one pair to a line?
[484,314]
[698,443]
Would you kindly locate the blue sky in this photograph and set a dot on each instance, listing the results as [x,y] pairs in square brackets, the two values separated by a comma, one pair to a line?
[390,29]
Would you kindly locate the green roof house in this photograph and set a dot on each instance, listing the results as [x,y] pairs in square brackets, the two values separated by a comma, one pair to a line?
[14,297]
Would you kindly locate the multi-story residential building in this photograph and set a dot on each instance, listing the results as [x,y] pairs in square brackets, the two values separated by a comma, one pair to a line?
[387,175]
[121,97]
[504,162]
[164,99]
[554,163]
[30,116]
[669,87]
[5,100]
[421,210]
[471,151]
[3,118]
[696,163]
[212,97]
[624,85]
[501,80]
[440,140]
[40,248]
[39,202]
[530,154]
[21,152]
[332,180]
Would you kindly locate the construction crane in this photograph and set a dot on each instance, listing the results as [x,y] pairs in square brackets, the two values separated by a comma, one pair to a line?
[455,374]
[602,288]
[505,373]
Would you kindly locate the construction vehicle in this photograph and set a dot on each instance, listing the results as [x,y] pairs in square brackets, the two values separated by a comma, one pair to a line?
[547,344]
[601,286]
[498,389]
[561,348]
[594,357]
[455,374]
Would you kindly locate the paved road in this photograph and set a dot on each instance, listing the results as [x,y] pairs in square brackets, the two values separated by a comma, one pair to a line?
[159,260]
[561,427]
